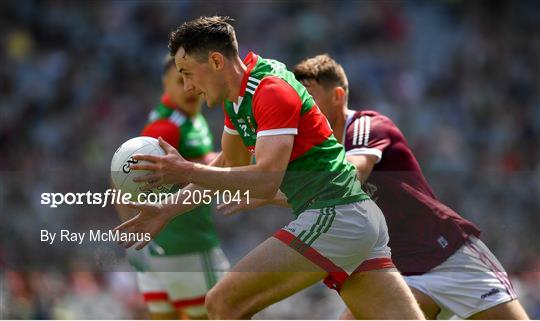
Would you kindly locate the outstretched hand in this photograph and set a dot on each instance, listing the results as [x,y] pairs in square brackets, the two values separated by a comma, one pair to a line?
[150,219]
[170,168]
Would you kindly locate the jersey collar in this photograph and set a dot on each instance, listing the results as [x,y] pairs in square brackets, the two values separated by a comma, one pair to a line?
[166,100]
[250,61]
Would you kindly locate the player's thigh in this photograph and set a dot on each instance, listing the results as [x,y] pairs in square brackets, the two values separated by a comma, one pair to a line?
[511,310]
[379,294]
[426,303]
[269,273]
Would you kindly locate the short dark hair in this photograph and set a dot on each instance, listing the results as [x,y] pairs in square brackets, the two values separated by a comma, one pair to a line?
[200,36]
[324,70]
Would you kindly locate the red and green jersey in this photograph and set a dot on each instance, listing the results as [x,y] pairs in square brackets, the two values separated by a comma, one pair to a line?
[272,102]
[193,231]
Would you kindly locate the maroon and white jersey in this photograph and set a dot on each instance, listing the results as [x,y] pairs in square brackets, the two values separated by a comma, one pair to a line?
[423,231]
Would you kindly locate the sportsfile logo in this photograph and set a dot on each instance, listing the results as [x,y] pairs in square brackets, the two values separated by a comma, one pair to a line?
[114,196]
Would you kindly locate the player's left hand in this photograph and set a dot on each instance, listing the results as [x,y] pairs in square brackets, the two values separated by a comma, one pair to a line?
[151,219]
[170,168]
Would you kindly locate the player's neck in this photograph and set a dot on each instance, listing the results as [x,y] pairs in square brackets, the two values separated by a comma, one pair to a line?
[234,81]
[339,123]
[190,112]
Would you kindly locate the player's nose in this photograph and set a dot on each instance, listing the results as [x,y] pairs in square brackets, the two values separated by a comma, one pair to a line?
[188,86]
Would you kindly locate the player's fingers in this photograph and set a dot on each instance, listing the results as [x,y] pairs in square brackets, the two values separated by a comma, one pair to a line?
[147,166]
[122,227]
[229,209]
[222,206]
[135,206]
[166,146]
[147,157]
[152,185]
[129,244]
[142,207]
[150,178]
[232,211]
[141,245]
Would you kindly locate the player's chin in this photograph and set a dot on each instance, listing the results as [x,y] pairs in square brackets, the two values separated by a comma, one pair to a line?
[212,102]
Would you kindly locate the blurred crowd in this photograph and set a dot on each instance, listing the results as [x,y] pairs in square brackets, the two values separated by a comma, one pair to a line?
[460,78]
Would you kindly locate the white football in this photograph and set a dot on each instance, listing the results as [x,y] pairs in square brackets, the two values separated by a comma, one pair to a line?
[121,173]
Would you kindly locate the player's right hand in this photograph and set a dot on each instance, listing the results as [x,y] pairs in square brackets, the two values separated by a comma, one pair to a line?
[150,219]
[232,208]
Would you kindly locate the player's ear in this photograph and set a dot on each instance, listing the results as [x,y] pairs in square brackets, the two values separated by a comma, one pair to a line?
[339,95]
[216,60]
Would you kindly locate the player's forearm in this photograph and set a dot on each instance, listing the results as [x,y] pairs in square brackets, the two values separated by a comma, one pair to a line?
[280,200]
[260,183]
[177,205]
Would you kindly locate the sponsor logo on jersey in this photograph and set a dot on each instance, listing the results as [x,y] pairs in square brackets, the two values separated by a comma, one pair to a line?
[442,241]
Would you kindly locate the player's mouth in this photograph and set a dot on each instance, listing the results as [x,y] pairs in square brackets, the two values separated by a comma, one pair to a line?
[191,100]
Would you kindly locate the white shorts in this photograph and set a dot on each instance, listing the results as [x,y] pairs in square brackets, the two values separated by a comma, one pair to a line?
[341,239]
[470,281]
[170,291]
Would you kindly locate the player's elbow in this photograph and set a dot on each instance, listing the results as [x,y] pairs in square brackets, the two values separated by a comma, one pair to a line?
[268,191]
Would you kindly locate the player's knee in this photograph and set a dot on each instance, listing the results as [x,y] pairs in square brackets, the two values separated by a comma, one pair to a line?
[220,306]
[211,303]
[363,292]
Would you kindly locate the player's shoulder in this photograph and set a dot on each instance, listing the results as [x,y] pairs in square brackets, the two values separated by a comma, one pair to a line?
[368,117]
[275,91]
[272,82]
[165,128]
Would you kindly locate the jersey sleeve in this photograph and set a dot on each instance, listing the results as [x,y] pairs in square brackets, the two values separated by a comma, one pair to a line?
[276,108]
[228,126]
[165,128]
[368,135]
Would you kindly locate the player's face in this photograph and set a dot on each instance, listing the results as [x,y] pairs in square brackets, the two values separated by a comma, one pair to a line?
[200,78]
[173,83]
[323,98]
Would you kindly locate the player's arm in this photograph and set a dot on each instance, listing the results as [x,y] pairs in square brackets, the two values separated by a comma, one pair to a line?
[262,179]
[366,139]
[233,150]
[364,165]
[248,204]
[165,130]
[152,218]
[277,112]
[276,108]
